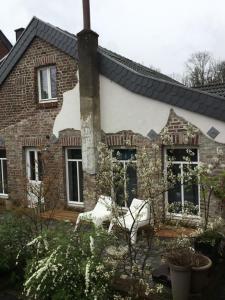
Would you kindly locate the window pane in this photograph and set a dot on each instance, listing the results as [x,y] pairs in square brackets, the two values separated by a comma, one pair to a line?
[5,176]
[32,165]
[191,194]
[81,180]
[44,84]
[2,153]
[74,153]
[131,178]
[174,194]
[40,167]
[1,183]
[73,188]
[53,81]
[180,154]
[119,184]
[124,154]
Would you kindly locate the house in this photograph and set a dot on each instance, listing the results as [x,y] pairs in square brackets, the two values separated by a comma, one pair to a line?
[5,46]
[64,93]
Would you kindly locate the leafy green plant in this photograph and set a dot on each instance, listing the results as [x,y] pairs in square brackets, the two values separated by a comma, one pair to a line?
[188,208]
[14,234]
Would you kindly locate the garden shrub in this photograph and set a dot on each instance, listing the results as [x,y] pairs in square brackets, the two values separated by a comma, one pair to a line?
[14,235]
[69,265]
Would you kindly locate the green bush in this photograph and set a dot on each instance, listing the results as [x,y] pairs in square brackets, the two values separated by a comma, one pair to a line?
[14,235]
[69,265]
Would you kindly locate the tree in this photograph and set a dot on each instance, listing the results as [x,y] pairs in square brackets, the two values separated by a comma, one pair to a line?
[202,69]
[198,69]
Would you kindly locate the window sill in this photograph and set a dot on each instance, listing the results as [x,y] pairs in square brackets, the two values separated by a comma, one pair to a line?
[76,204]
[48,104]
[183,217]
[4,196]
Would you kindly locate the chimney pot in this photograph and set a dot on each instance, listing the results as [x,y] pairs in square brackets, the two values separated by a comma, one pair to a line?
[18,32]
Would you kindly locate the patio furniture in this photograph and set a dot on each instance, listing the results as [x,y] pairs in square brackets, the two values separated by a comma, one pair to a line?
[101,213]
[137,216]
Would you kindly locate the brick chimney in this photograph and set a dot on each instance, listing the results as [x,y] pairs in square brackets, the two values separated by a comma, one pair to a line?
[89,103]
[18,32]
[5,45]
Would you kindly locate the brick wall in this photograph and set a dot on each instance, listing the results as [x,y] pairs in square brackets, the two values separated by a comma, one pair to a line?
[24,122]
[207,148]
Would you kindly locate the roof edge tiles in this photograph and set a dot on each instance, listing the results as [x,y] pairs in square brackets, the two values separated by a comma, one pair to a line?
[131,75]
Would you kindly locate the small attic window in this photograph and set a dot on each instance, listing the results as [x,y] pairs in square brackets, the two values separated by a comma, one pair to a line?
[47,84]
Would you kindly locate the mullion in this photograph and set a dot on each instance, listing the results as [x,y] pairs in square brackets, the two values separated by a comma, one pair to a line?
[78,183]
[182,186]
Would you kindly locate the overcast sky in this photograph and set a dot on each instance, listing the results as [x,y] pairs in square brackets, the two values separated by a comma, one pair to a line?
[159,33]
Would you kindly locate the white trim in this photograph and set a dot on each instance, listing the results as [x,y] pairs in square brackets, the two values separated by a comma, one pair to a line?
[35,150]
[49,87]
[2,178]
[4,196]
[78,203]
[49,100]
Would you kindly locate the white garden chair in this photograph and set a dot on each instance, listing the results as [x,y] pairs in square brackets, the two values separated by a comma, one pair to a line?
[136,217]
[101,213]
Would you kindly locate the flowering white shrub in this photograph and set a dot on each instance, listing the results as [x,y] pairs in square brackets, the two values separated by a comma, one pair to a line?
[69,265]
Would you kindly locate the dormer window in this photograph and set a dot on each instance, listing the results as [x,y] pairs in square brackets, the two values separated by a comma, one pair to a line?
[47,84]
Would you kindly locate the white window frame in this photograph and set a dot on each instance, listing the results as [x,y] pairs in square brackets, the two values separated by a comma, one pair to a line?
[50,99]
[182,186]
[35,150]
[3,195]
[79,202]
[125,162]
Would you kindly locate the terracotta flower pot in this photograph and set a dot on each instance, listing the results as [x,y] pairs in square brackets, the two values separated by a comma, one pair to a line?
[199,276]
[181,281]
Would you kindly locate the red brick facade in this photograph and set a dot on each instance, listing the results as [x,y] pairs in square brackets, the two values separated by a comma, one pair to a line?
[24,122]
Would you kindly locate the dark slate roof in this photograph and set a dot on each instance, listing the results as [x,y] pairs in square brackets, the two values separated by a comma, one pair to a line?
[130,75]
[5,41]
[213,88]
[143,70]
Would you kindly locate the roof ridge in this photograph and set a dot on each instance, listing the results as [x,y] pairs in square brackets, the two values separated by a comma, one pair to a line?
[209,85]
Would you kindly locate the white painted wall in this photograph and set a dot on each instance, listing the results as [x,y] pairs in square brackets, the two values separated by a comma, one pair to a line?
[69,116]
[124,110]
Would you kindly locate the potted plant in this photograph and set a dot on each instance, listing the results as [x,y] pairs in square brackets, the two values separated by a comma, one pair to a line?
[188,271]
[180,261]
[199,272]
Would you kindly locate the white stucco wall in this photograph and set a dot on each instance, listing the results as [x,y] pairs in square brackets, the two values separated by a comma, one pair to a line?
[69,116]
[124,110]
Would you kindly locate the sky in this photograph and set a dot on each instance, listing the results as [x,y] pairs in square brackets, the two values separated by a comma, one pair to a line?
[159,33]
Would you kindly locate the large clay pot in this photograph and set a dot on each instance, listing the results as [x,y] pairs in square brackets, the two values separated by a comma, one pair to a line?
[181,281]
[199,276]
